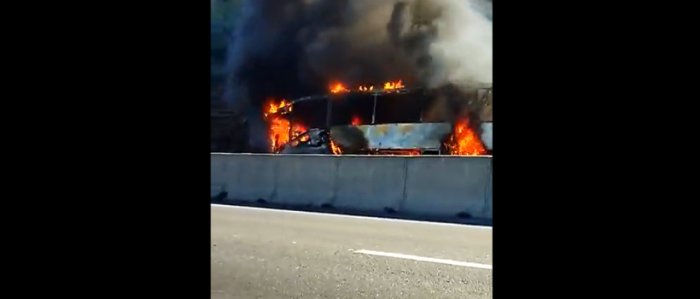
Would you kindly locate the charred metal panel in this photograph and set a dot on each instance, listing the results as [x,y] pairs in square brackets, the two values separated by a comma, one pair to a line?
[392,136]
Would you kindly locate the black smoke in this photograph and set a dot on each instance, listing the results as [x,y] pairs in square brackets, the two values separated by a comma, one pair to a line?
[293,48]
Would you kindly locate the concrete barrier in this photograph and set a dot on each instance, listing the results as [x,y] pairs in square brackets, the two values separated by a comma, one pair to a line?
[436,186]
[373,183]
[219,165]
[304,179]
[488,210]
[444,185]
[250,177]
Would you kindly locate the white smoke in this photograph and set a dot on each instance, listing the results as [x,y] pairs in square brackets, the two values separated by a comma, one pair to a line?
[463,49]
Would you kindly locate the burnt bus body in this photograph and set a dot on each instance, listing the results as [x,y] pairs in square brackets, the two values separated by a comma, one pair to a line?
[390,122]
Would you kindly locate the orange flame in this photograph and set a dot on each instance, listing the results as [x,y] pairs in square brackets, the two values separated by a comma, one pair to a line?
[273,108]
[280,127]
[464,141]
[278,133]
[338,87]
[356,121]
[393,85]
[335,148]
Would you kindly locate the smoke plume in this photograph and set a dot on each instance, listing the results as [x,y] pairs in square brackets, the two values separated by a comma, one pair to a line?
[291,48]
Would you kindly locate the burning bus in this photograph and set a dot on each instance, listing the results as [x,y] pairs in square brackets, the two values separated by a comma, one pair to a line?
[388,119]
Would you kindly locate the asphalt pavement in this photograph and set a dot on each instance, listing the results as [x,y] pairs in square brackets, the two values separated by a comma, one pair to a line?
[264,253]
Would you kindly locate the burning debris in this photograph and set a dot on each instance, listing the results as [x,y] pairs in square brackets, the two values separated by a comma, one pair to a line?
[280,129]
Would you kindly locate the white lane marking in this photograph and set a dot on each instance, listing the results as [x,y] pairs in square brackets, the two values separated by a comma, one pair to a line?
[425,259]
[351,216]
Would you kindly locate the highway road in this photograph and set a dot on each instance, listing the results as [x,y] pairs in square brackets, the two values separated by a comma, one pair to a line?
[263,253]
